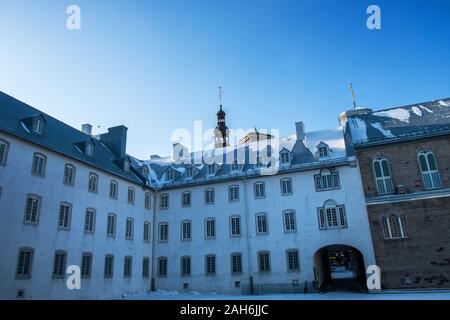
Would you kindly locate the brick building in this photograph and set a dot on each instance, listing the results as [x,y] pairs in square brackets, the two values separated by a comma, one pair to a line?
[404,158]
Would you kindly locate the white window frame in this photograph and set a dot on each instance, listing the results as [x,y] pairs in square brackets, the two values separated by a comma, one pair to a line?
[111,225]
[210,195]
[285,157]
[236,263]
[186,230]
[39,164]
[260,189]
[32,213]
[384,182]
[93,182]
[210,228]
[163,232]
[262,223]
[69,174]
[264,266]
[64,218]
[128,267]
[210,265]
[289,221]
[164,201]
[162,267]
[37,125]
[86,265]
[89,220]
[129,228]
[147,231]
[235,228]
[186,199]
[131,195]
[24,263]
[388,228]
[286,186]
[332,216]
[430,177]
[148,200]
[293,266]
[233,196]
[108,271]
[4,146]
[59,266]
[185,266]
[113,189]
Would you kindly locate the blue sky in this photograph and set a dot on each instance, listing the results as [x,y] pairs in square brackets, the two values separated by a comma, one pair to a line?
[155,66]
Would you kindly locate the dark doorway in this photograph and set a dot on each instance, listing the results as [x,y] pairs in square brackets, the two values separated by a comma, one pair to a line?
[340,268]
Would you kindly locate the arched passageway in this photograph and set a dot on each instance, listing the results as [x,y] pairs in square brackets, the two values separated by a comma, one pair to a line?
[339,268]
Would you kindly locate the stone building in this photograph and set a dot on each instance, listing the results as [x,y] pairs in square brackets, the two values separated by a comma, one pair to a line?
[404,157]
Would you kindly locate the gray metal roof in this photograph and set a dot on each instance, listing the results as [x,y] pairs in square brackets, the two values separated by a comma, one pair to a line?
[414,121]
[59,137]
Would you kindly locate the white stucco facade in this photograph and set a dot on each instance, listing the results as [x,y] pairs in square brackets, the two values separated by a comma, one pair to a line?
[44,238]
[307,239]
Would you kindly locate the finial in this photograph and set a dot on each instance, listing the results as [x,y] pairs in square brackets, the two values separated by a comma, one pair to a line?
[220,94]
[350,87]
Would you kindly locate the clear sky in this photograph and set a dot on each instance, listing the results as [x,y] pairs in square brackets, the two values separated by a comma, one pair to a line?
[155,66]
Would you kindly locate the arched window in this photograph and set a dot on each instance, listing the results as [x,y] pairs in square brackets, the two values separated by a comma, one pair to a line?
[327,180]
[430,173]
[332,216]
[394,227]
[382,176]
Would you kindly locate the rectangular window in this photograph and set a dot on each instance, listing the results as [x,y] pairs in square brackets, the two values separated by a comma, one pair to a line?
[111,225]
[64,216]
[289,221]
[186,230]
[113,189]
[235,226]
[186,199]
[210,228]
[93,182]
[89,221]
[327,180]
[332,217]
[38,167]
[236,263]
[32,209]
[185,266]
[86,265]
[59,265]
[24,263]
[37,126]
[259,190]
[131,195]
[233,193]
[127,266]
[209,196]
[292,260]
[146,231]
[129,227]
[285,157]
[261,224]
[69,175]
[3,152]
[162,267]
[164,201]
[163,232]
[148,201]
[189,172]
[211,169]
[109,266]
[264,261]
[210,264]
[286,187]
[145,267]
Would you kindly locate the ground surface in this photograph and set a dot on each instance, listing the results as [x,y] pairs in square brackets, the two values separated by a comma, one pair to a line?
[388,295]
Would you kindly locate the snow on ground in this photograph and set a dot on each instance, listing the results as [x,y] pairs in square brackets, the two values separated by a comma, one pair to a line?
[385,295]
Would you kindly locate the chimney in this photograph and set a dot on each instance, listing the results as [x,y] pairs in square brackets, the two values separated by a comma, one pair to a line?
[179,152]
[116,140]
[300,130]
[87,128]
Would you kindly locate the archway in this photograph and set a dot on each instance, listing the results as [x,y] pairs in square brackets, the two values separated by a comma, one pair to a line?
[339,267]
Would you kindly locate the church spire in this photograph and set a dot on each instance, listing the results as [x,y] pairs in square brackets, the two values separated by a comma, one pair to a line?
[221,130]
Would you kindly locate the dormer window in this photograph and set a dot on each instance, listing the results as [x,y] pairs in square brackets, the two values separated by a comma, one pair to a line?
[145,171]
[170,174]
[38,125]
[285,157]
[89,149]
[211,169]
[189,172]
[323,150]
[235,166]
[126,165]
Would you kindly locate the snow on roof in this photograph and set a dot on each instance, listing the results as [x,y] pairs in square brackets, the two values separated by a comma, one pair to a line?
[399,114]
[306,154]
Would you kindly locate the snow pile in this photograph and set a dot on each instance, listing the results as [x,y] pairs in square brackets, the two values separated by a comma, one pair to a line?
[399,114]
[358,128]
[426,109]
[417,111]
[386,132]
[444,103]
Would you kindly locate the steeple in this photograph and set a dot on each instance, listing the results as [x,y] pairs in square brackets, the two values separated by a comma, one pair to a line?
[221,130]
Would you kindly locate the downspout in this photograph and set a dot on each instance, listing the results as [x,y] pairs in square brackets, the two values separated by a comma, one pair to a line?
[249,250]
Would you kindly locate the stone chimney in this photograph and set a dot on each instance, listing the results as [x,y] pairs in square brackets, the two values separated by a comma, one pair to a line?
[179,152]
[300,130]
[116,140]
[87,128]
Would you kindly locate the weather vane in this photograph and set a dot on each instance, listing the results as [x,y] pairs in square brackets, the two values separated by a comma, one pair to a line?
[350,87]
[220,94]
